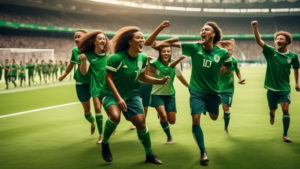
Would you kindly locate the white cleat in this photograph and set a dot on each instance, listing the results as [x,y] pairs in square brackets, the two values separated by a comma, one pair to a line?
[226,131]
[204,158]
[170,140]
[286,139]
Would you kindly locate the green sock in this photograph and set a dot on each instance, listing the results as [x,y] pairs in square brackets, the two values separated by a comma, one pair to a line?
[110,127]
[166,128]
[198,136]
[99,121]
[90,118]
[144,137]
[286,123]
[226,118]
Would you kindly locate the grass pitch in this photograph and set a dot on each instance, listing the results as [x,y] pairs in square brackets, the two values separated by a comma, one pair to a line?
[60,137]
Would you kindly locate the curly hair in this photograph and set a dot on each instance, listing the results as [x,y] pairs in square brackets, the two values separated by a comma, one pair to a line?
[82,30]
[287,36]
[123,35]
[217,30]
[86,44]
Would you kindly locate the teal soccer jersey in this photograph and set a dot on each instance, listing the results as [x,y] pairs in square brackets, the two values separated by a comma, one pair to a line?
[279,68]
[227,80]
[206,66]
[126,71]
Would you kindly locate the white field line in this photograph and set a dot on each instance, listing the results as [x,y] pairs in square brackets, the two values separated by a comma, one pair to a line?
[35,110]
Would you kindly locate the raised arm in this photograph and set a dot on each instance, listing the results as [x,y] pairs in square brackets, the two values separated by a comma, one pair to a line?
[149,41]
[143,77]
[296,74]
[258,40]
[173,64]
[84,66]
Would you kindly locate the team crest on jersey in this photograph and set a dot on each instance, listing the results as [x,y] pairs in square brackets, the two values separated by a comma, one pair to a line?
[217,58]
[289,60]
[140,64]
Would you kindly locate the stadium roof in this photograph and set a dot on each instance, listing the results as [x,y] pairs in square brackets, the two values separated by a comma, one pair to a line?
[221,8]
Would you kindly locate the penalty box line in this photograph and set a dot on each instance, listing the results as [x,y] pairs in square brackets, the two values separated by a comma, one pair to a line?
[35,110]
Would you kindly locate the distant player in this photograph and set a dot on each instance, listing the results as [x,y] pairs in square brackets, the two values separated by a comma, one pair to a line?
[55,70]
[277,81]
[14,72]
[207,59]
[62,67]
[21,72]
[45,69]
[227,82]
[94,47]
[121,92]
[7,72]
[50,69]
[38,70]
[30,66]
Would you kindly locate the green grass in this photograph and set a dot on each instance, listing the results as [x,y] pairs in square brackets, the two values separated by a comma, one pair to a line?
[60,137]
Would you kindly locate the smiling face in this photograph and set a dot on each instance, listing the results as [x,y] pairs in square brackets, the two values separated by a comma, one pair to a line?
[137,42]
[100,41]
[207,34]
[165,54]
[77,37]
[280,42]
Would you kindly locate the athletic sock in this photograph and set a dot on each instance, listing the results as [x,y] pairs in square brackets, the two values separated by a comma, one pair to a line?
[199,137]
[144,137]
[89,118]
[272,115]
[166,128]
[99,121]
[286,123]
[110,127]
[226,118]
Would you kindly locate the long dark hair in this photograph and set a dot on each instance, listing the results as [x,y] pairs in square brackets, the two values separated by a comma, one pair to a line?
[86,44]
[123,35]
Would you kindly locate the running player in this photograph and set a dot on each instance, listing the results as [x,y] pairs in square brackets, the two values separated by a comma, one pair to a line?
[21,72]
[94,47]
[38,70]
[277,81]
[50,69]
[14,72]
[45,69]
[121,92]
[207,60]
[62,68]
[55,70]
[7,68]
[82,81]
[30,66]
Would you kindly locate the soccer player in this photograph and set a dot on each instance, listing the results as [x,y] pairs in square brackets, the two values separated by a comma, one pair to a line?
[121,92]
[7,68]
[207,59]
[55,70]
[227,82]
[14,71]
[94,47]
[82,81]
[277,81]
[21,72]
[38,70]
[30,66]
[62,68]
[50,69]
[45,69]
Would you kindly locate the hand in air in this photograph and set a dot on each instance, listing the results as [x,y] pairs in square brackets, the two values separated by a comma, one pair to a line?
[254,23]
[183,57]
[165,80]
[165,24]
[242,81]
[297,87]
[122,105]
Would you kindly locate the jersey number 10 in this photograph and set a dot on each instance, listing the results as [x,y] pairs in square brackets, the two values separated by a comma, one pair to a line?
[206,63]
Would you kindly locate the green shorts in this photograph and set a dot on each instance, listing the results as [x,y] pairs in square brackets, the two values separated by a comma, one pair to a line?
[226,98]
[146,93]
[14,77]
[201,102]
[164,100]
[134,105]
[83,92]
[274,98]
[95,94]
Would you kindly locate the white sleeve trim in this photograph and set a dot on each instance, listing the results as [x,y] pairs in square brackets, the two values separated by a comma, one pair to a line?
[114,69]
[228,60]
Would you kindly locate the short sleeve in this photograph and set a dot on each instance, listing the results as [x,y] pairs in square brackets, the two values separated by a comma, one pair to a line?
[145,61]
[74,57]
[113,64]
[295,62]
[187,49]
[268,51]
[236,67]
[177,70]
[152,63]
[228,61]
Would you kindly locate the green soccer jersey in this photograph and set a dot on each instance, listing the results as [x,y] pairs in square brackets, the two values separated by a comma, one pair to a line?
[44,68]
[22,69]
[30,67]
[161,72]
[14,72]
[227,80]
[126,71]
[6,70]
[55,67]
[78,76]
[206,66]
[97,69]
[38,67]
[50,66]
[279,68]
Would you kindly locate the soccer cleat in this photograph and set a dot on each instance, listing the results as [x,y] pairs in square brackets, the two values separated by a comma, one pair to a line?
[132,127]
[153,159]
[100,139]
[286,139]
[226,131]
[170,140]
[204,158]
[272,119]
[106,154]
[93,127]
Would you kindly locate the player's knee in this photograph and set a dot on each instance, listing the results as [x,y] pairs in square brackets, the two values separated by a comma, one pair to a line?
[172,121]
[163,118]
[285,110]
[115,119]
[214,117]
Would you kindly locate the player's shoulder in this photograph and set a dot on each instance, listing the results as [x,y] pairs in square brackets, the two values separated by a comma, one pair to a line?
[233,59]
[117,57]
[293,55]
[76,51]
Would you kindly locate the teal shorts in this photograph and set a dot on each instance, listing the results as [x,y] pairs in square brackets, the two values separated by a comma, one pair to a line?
[226,98]
[146,93]
[83,92]
[134,105]
[168,101]
[274,98]
[201,102]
